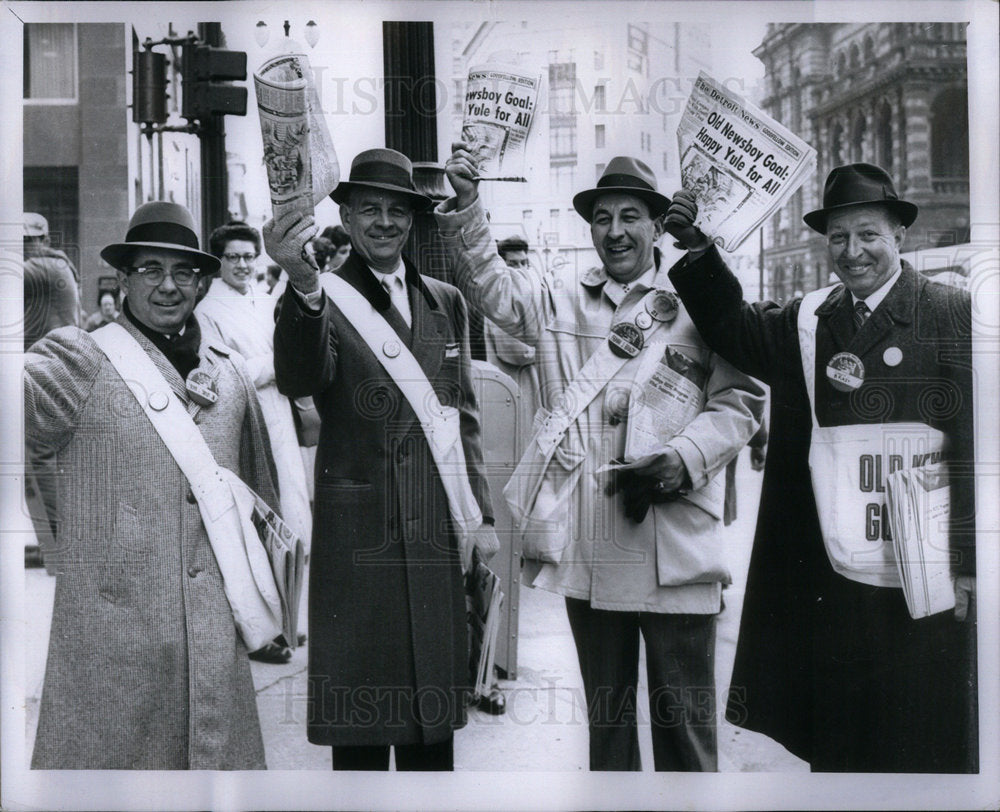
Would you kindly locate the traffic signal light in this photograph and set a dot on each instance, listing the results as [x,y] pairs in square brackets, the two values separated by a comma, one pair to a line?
[205,72]
[149,87]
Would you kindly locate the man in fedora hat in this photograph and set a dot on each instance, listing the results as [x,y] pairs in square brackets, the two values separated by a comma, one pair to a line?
[829,661]
[641,553]
[146,669]
[379,347]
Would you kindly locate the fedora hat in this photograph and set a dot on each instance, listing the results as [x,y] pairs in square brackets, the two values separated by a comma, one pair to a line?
[383,169]
[160,224]
[628,176]
[859,184]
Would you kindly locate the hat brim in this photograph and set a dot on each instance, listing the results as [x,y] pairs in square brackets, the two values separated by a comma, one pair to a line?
[343,191]
[583,202]
[117,254]
[903,209]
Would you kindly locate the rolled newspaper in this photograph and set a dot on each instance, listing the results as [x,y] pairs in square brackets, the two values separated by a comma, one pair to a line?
[301,162]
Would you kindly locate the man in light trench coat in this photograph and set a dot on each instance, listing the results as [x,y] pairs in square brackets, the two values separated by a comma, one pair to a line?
[645,554]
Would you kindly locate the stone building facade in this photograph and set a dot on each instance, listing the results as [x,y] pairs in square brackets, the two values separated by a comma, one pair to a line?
[892,94]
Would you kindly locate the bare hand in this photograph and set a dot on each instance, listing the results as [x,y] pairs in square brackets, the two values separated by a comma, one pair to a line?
[463,174]
[483,538]
[965,595]
[287,241]
[666,467]
[680,221]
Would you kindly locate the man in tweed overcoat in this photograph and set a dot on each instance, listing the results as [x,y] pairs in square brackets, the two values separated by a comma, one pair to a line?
[146,669]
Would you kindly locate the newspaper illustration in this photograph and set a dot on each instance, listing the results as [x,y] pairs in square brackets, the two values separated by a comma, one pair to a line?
[670,394]
[740,163]
[500,102]
[301,163]
[918,501]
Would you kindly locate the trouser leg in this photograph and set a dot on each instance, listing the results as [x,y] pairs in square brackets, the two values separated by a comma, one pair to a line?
[607,645]
[360,757]
[439,757]
[680,669]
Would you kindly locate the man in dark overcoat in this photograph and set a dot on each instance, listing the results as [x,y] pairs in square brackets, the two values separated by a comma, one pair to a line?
[388,654]
[832,667]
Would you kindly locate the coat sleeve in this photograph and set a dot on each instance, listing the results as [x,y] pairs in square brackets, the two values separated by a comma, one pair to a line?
[516,300]
[59,375]
[734,408]
[305,347]
[472,436]
[759,339]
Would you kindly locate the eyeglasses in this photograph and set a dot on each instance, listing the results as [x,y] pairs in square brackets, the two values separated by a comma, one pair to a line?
[183,275]
[234,259]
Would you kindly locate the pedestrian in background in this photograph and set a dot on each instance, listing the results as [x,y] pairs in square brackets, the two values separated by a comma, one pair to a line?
[107,310]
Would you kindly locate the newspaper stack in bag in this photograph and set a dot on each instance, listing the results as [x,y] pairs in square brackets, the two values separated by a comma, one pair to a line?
[740,163]
[301,163]
[919,501]
[483,599]
[500,102]
[287,558]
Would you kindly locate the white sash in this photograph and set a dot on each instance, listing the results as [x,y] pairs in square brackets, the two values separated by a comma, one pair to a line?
[441,424]
[849,466]
[538,492]
[243,562]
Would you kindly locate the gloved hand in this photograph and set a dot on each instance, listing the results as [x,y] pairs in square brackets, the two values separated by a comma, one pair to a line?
[287,241]
[484,539]
[680,220]
[463,174]
[640,488]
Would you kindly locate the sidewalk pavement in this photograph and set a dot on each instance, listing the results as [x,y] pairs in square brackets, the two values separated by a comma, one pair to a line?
[544,728]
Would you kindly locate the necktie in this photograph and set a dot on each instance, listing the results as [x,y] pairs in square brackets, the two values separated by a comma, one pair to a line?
[861,314]
[397,294]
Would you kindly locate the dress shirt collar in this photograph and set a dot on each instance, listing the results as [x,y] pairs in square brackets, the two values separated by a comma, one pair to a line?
[875,299]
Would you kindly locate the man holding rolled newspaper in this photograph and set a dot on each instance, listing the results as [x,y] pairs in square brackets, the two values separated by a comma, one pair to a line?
[867,377]
[636,549]
[401,498]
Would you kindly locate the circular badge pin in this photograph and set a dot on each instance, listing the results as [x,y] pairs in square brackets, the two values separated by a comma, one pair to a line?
[643,320]
[201,388]
[391,349]
[625,340]
[662,306]
[845,371]
[158,401]
[893,356]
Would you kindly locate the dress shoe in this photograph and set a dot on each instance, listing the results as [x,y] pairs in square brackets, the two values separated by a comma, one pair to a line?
[272,653]
[494,703]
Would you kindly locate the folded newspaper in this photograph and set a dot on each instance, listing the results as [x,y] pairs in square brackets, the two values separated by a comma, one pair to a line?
[919,500]
[499,109]
[301,163]
[741,164]
[287,557]
[483,599]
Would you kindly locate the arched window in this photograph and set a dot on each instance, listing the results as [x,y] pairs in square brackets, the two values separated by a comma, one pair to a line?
[855,55]
[884,137]
[950,134]
[837,144]
[858,132]
[869,49]
[841,64]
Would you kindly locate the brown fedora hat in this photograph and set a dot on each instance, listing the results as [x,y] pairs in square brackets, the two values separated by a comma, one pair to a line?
[160,224]
[855,185]
[627,176]
[384,169]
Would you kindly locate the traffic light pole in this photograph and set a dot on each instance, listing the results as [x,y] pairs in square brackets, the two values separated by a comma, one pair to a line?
[214,175]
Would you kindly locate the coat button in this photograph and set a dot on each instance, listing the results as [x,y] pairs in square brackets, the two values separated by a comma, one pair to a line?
[190,497]
[193,572]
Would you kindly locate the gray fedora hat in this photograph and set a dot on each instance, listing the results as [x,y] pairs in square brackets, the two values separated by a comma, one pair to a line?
[627,176]
[160,224]
[856,185]
[384,169]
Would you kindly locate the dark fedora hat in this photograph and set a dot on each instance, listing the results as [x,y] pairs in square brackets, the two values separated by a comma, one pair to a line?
[383,169]
[859,184]
[160,224]
[628,176]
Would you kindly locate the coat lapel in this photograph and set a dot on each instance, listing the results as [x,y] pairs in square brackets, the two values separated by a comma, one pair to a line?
[430,325]
[357,273]
[838,313]
[896,308]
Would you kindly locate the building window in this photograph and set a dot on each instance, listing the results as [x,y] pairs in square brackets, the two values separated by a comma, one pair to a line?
[599,136]
[562,82]
[50,62]
[562,139]
[841,64]
[54,192]
[837,144]
[950,134]
[638,49]
[600,99]
[526,214]
[562,180]
[855,55]
[858,133]
[869,49]
[885,137]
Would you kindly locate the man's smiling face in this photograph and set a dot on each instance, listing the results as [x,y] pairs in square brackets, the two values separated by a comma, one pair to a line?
[624,233]
[378,223]
[863,242]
